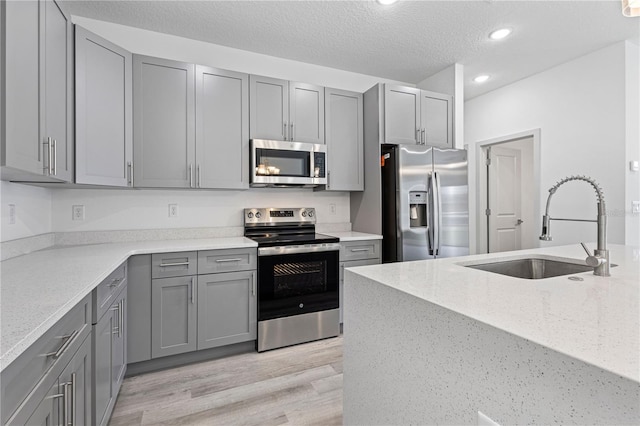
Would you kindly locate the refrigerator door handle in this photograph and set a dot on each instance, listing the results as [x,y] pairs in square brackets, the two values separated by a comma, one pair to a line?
[431,215]
[437,208]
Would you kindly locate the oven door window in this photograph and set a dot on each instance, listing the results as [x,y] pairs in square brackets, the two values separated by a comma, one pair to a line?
[294,284]
[280,162]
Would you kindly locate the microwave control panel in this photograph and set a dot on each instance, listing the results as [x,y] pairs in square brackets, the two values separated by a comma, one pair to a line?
[319,165]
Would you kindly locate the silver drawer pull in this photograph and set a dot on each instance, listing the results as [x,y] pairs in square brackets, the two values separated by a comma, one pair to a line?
[164,265]
[115,282]
[362,249]
[227,260]
[69,338]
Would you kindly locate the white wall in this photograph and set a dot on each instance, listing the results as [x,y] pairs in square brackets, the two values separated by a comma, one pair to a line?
[632,221]
[580,108]
[107,209]
[33,211]
[183,49]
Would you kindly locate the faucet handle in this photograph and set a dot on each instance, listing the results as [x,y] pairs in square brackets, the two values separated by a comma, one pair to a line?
[591,260]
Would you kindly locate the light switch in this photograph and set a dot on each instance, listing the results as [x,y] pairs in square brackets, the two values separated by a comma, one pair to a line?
[634,166]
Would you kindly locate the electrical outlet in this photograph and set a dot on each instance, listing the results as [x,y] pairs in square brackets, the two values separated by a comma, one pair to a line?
[635,207]
[77,212]
[12,214]
[173,210]
[332,208]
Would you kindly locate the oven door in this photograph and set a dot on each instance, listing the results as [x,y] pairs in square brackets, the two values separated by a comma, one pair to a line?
[296,283]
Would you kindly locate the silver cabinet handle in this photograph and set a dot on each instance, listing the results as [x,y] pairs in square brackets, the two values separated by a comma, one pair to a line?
[164,265]
[424,136]
[291,136]
[65,412]
[62,395]
[116,329]
[228,260]
[362,249]
[129,173]
[190,175]
[285,130]
[54,167]
[69,338]
[193,289]
[121,323]
[199,176]
[253,283]
[418,141]
[73,399]
[47,168]
[115,282]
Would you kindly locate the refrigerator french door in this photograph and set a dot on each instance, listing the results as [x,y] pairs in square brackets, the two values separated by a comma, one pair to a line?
[425,203]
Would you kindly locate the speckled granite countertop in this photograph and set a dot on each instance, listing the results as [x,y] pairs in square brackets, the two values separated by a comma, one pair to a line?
[596,320]
[39,288]
[353,236]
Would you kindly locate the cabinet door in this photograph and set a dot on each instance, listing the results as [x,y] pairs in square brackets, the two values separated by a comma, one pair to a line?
[402,114]
[227,308]
[78,380]
[173,312]
[164,123]
[268,108]
[344,136]
[306,113]
[222,129]
[104,139]
[437,119]
[22,146]
[138,324]
[48,411]
[103,350]
[55,89]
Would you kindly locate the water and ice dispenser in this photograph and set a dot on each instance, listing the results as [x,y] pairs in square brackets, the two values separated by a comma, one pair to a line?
[418,209]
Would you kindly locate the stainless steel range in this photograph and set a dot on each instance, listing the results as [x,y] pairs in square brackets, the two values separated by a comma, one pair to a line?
[298,277]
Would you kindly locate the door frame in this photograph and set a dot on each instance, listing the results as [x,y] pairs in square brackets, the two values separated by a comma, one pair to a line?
[478,196]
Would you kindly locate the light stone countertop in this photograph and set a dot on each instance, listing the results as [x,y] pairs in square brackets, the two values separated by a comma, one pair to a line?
[596,320]
[353,236]
[39,288]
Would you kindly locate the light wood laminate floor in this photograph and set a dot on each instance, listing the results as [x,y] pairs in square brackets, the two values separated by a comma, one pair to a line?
[299,385]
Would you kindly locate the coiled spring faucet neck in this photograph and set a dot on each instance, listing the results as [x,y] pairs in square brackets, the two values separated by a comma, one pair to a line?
[601,259]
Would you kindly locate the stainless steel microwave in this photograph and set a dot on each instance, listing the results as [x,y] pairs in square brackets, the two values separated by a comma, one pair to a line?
[281,163]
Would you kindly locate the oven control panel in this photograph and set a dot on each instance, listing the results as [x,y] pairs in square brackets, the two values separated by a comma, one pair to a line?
[279,215]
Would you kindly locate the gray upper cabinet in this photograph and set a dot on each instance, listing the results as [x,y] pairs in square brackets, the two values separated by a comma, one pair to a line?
[104,139]
[283,110]
[222,129]
[414,116]
[173,316]
[306,113]
[402,114]
[269,108]
[227,308]
[344,137]
[37,96]
[436,112]
[164,123]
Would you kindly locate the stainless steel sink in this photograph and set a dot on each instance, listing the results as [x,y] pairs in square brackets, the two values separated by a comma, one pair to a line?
[532,268]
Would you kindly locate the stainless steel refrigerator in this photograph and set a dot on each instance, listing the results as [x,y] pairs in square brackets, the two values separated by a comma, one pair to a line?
[425,207]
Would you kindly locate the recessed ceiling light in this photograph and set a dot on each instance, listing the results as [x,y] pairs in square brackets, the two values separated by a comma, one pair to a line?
[500,34]
[481,78]
[386,2]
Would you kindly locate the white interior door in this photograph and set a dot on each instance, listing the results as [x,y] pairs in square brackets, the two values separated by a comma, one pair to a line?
[505,176]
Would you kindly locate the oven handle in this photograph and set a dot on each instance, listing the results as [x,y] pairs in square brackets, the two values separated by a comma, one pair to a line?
[273,251]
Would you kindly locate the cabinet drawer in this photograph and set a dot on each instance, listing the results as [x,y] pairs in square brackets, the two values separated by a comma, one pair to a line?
[214,261]
[54,348]
[107,290]
[358,250]
[166,265]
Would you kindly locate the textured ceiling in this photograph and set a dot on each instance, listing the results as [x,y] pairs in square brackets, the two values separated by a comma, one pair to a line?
[408,41]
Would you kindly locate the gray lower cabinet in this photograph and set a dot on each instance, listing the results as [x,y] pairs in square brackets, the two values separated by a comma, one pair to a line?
[104,138]
[173,316]
[344,138]
[357,253]
[78,381]
[227,308]
[139,308]
[37,96]
[164,123]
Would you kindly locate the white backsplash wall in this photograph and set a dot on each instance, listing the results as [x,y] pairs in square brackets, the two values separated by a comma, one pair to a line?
[579,108]
[107,209]
[33,211]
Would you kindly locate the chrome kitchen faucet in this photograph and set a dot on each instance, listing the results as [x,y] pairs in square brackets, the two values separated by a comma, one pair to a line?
[600,259]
